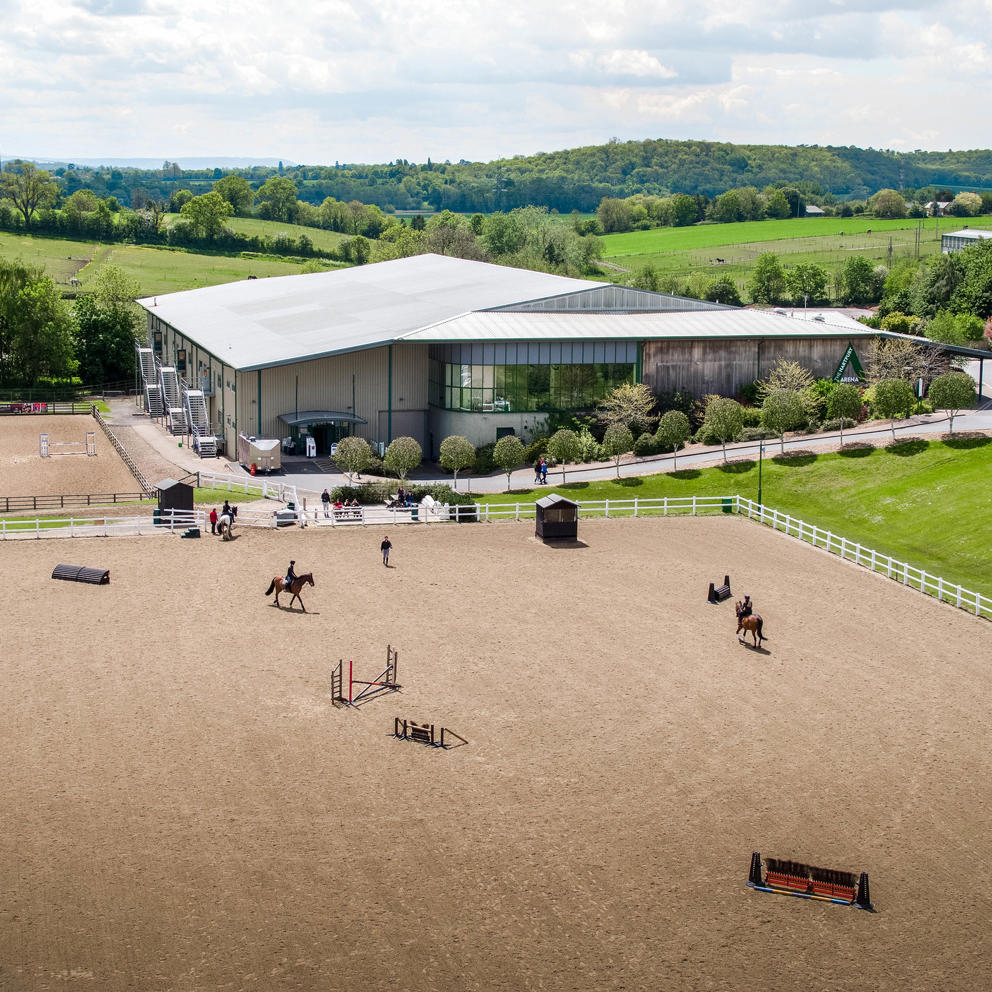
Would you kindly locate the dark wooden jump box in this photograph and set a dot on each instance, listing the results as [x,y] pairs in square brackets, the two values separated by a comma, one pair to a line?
[424,733]
[718,594]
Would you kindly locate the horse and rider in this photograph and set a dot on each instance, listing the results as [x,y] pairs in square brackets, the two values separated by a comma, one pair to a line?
[749,622]
[292,583]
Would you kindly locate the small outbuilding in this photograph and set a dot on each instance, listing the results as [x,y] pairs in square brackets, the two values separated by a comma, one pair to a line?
[174,495]
[557,518]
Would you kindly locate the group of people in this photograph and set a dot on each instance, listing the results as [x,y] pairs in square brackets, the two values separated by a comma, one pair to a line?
[401,499]
[352,506]
[541,471]
[224,520]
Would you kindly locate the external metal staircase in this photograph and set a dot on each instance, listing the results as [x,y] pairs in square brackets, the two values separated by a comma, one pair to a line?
[150,384]
[175,415]
[199,423]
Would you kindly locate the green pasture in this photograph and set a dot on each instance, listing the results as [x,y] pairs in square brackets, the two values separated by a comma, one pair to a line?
[61,259]
[922,502]
[160,271]
[734,257]
[254,227]
[157,270]
[680,239]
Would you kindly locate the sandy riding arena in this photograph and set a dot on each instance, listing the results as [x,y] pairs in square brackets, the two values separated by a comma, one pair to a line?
[23,472]
[185,809]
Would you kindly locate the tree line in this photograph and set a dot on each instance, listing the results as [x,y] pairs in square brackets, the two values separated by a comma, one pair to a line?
[46,340]
[569,179]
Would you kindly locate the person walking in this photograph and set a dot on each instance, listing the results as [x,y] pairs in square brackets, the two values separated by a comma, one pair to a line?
[325,498]
[537,470]
[385,548]
[213,520]
[544,471]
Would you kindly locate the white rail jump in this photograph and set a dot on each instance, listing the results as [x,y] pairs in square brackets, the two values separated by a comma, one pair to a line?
[47,447]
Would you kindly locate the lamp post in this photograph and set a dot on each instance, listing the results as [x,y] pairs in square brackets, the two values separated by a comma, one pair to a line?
[761,453]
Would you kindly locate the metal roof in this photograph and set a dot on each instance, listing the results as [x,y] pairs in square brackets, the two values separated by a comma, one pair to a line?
[704,324]
[968,232]
[258,323]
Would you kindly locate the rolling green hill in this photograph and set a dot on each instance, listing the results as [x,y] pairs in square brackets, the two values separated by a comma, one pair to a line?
[158,270]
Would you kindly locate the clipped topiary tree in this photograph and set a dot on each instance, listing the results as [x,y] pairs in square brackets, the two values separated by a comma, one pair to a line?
[402,456]
[724,420]
[844,403]
[893,397]
[508,455]
[781,411]
[352,456]
[563,446]
[617,441]
[457,452]
[953,391]
[674,430]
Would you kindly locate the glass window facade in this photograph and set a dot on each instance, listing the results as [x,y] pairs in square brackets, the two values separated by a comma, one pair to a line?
[523,388]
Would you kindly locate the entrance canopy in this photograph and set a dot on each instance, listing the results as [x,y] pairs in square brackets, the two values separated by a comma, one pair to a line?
[320,417]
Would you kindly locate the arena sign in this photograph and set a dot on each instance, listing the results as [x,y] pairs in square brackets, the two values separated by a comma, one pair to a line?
[850,369]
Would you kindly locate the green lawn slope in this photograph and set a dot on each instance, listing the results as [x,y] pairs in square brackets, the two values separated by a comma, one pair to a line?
[923,502]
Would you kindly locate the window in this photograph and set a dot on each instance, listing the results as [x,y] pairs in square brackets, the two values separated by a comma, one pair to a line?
[524,388]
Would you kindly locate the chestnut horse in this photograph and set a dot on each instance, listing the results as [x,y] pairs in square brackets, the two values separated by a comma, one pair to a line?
[278,585]
[750,624]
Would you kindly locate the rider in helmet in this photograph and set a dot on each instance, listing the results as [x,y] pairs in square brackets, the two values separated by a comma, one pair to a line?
[746,607]
[291,575]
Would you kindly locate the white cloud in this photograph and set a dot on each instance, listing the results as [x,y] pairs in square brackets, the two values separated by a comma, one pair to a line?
[319,80]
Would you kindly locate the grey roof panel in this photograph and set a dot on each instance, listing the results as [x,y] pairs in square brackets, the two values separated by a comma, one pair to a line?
[259,322]
[724,323]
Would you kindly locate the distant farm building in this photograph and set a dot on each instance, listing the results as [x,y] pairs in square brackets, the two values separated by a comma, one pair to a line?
[962,239]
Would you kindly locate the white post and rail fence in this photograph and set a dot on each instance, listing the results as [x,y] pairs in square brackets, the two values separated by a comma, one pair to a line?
[172,520]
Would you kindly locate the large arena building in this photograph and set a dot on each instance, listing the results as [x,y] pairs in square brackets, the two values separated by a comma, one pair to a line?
[430,346]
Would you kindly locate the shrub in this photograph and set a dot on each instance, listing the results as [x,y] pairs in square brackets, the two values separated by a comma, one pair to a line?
[646,444]
[535,449]
[751,416]
[589,447]
[837,423]
[368,493]
[757,434]
[484,463]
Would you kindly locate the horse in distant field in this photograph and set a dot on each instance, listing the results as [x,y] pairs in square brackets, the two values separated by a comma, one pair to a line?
[749,624]
[278,585]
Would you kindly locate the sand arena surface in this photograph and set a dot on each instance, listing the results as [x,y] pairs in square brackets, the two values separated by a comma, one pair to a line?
[23,472]
[186,810]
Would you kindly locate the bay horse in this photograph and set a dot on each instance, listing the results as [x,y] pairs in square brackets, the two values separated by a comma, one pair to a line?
[751,624]
[278,585]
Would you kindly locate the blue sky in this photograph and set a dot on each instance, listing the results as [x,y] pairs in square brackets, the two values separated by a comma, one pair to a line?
[318,81]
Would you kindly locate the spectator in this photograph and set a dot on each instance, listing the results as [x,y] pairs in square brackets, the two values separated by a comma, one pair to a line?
[325,498]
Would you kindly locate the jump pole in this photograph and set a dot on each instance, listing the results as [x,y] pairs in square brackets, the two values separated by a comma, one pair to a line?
[385,680]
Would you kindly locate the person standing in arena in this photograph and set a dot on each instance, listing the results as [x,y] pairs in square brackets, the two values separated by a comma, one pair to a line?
[385,549]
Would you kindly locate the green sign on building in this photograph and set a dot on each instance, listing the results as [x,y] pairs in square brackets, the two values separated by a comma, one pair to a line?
[850,369]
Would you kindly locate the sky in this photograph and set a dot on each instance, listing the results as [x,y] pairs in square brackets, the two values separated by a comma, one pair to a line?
[319,81]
